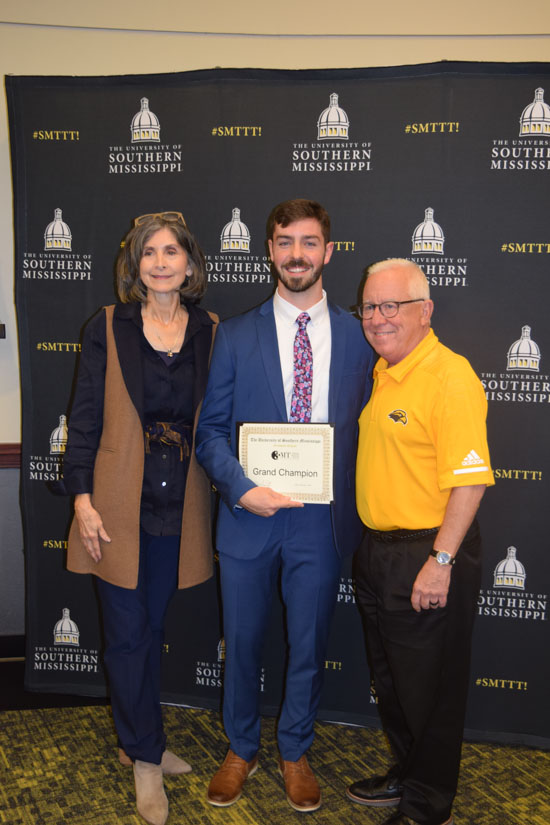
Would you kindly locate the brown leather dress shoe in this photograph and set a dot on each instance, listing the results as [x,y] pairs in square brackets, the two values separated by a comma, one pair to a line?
[302,789]
[226,785]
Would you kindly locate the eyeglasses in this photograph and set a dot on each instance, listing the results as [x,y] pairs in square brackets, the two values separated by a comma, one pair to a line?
[167,216]
[388,309]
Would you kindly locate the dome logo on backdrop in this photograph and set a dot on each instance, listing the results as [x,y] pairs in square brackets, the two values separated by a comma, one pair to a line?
[428,251]
[50,467]
[508,598]
[66,631]
[510,572]
[145,126]
[518,384]
[535,118]
[428,236]
[524,354]
[56,261]
[235,263]
[333,122]
[145,154]
[333,151]
[235,235]
[531,150]
[57,234]
[59,436]
[65,654]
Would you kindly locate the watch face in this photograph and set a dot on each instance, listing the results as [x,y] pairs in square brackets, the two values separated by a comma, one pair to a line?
[443,557]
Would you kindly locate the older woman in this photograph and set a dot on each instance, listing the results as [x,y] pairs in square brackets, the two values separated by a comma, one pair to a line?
[142,503]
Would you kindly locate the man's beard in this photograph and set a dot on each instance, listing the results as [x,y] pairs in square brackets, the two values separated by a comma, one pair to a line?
[299,283]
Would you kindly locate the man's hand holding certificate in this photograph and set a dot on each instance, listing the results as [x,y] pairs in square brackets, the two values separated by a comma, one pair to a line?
[293,459]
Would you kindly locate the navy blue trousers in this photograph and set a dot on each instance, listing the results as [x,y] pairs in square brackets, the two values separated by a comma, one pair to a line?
[133,623]
[301,546]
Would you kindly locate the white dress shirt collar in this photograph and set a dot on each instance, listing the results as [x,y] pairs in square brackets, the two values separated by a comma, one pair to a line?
[287,312]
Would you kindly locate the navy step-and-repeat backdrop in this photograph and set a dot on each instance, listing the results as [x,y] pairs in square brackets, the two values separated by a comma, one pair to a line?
[447,164]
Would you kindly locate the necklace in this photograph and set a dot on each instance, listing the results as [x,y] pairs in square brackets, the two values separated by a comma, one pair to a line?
[168,349]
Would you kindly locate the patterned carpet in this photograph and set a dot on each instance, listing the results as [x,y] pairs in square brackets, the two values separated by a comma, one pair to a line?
[58,766]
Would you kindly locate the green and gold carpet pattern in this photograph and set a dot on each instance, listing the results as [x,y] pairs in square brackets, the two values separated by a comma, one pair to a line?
[59,767]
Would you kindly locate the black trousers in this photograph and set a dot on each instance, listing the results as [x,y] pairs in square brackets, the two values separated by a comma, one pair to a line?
[420,664]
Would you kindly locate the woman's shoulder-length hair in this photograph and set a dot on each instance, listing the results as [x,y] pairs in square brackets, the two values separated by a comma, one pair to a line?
[130,287]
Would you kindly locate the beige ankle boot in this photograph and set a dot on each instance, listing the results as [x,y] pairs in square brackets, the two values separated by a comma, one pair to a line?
[173,765]
[151,800]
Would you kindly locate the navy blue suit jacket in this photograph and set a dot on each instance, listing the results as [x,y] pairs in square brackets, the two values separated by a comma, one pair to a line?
[245,384]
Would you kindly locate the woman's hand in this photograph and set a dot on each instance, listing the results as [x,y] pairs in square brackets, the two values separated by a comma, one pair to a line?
[90,525]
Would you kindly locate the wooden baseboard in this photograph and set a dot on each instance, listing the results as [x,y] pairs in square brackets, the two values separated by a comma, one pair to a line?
[10,456]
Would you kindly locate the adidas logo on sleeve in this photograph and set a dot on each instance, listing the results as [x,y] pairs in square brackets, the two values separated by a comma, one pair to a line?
[471,463]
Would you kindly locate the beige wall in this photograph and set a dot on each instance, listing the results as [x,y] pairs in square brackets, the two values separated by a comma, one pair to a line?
[65,38]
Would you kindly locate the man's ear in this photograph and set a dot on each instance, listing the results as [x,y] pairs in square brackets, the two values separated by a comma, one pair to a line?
[328,252]
[427,310]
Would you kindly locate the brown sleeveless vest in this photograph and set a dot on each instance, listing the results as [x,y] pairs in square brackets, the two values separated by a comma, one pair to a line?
[118,476]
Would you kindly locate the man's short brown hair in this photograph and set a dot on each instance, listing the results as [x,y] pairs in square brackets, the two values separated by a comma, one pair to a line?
[298,209]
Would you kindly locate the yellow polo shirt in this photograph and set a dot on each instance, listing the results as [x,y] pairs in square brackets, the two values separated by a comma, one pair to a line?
[422,433]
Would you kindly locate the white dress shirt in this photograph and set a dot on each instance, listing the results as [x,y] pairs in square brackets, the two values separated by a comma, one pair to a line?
[319,332]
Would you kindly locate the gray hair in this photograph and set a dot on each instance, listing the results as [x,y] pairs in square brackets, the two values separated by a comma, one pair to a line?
[418,282]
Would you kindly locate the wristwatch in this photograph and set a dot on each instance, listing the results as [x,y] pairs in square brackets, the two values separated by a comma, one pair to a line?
[442,557]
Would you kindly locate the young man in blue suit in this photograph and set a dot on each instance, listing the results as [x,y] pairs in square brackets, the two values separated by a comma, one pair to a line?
[269,367]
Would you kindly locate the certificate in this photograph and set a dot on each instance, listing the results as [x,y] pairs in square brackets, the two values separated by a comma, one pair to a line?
[294,459]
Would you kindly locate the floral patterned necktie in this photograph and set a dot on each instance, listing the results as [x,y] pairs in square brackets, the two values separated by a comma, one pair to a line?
[300,405]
